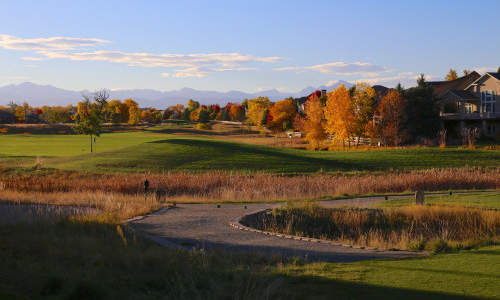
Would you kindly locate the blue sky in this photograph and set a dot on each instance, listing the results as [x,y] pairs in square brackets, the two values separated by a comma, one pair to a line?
[242,45]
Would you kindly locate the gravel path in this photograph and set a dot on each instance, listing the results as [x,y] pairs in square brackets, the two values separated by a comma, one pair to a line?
[206,226]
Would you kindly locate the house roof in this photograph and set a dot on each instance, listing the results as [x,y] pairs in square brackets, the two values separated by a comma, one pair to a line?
[380,90]
[492,74]
[441,87]
[465,95]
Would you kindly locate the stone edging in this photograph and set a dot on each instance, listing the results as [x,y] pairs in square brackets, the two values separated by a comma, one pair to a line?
[237,225]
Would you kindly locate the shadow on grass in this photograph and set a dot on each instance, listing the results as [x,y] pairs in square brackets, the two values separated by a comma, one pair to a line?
[204,132]
[269,157]
[70,260]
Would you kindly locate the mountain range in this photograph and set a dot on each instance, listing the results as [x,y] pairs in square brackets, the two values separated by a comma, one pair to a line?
[38,95]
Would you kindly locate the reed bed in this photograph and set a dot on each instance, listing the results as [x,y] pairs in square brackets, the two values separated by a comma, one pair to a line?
[112,205]
[415,227]
[237,187]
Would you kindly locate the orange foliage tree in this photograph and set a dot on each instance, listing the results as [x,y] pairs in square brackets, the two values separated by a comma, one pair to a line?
[236,112]
[339,115]
[283,113]
[313,124]
[390,113]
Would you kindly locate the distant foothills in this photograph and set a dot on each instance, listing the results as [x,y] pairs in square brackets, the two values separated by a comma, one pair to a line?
[40,95]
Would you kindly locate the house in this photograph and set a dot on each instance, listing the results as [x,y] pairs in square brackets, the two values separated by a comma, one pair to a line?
[470,101]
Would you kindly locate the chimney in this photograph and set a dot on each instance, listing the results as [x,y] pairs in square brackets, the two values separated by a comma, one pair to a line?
[323,92]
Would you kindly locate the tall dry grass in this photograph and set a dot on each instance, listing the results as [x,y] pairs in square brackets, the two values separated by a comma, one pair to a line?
[234,187]
[414,227]
[113,205]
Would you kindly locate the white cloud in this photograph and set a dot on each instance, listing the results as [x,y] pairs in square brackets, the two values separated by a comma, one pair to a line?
[482,70]
[405,78]
[342,68]
[165,74]
[203,71]
[150,60]
[195,65]
[47,44]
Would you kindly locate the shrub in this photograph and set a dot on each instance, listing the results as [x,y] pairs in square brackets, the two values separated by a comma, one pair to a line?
[439,246]
[203,126]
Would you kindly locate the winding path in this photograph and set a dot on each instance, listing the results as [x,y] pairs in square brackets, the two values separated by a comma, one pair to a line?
[207,226]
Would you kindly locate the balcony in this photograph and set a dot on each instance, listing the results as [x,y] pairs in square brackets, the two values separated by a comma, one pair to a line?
[470,116]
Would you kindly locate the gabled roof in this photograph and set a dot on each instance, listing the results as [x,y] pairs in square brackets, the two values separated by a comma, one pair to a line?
[495,75]
[491,74]
[441,87]
[465,95]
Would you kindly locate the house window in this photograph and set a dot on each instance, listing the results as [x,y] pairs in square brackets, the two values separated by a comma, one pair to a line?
[469,108]
[488,101]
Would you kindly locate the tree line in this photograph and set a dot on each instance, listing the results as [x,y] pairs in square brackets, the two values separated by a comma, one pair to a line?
[339,117]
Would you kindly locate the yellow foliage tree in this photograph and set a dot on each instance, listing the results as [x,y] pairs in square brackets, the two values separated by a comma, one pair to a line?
[20,114]
[256,109]
[313,125]
[363,101]
[133,111]
[339,115]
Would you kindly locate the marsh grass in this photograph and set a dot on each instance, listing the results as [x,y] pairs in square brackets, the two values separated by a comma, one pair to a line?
[74,188]
[432,228]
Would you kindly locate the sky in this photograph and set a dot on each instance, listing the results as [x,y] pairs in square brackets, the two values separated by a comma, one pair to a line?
[242,45]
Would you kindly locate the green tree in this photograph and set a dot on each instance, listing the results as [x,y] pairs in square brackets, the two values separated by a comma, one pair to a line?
[91,114]
[420,82]
[452,75]
[498,70]
[204,116]
[421,114]
[185,114]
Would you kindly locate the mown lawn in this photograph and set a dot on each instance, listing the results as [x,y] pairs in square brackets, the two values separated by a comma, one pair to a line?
[467,274]
[479,200]
[157,152]
[96,260]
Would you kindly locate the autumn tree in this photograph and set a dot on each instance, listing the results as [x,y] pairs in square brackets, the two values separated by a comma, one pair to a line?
[256,109]
[452,75]
[313,124]
[339,115]
[133,112]
[236,112]
[363,102]
[390,113]
[192,105]
[283,113]
[466,72]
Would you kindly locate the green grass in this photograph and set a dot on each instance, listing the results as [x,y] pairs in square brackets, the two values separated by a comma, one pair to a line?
[90,260]
[149,151]
[474,274]
[479,200]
